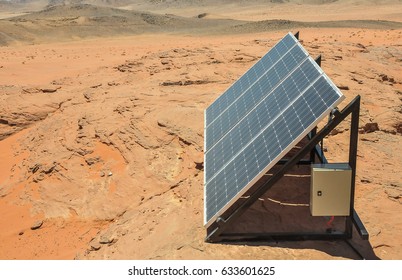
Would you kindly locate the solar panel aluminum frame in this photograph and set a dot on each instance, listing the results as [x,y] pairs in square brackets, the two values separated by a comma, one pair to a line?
[280,156]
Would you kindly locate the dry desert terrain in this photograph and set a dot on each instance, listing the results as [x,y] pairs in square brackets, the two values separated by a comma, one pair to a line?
[102,121]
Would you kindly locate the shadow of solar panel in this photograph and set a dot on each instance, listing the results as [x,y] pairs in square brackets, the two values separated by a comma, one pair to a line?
[254,123]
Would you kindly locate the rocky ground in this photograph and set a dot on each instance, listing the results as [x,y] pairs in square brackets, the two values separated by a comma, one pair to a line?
[102,142]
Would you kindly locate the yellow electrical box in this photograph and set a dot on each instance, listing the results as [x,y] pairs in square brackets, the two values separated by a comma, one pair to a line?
[330,189]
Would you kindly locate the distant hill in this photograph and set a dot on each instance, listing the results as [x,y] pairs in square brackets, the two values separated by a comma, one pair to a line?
[59,21]
[155,5]
[22,5]
[186,3]
[66,22]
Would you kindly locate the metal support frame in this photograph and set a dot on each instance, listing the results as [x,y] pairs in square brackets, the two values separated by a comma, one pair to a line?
[216,231]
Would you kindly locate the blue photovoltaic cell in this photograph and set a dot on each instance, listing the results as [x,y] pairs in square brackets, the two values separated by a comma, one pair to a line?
[230,95]
[261,125]
[257,119]
[263,86]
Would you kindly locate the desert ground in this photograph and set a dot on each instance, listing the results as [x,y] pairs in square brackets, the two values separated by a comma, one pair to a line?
[102,121]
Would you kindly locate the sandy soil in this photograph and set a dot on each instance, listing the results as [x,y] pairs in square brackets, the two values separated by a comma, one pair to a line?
[101,140]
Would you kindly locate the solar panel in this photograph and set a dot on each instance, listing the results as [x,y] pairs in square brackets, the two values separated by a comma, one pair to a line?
[257,120]
[253,94]
[230,95]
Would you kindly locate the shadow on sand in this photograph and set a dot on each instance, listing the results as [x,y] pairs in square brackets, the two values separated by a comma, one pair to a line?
[354,249]
[285,209]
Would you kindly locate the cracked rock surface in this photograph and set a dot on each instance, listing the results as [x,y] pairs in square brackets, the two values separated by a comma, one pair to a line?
[102,142]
